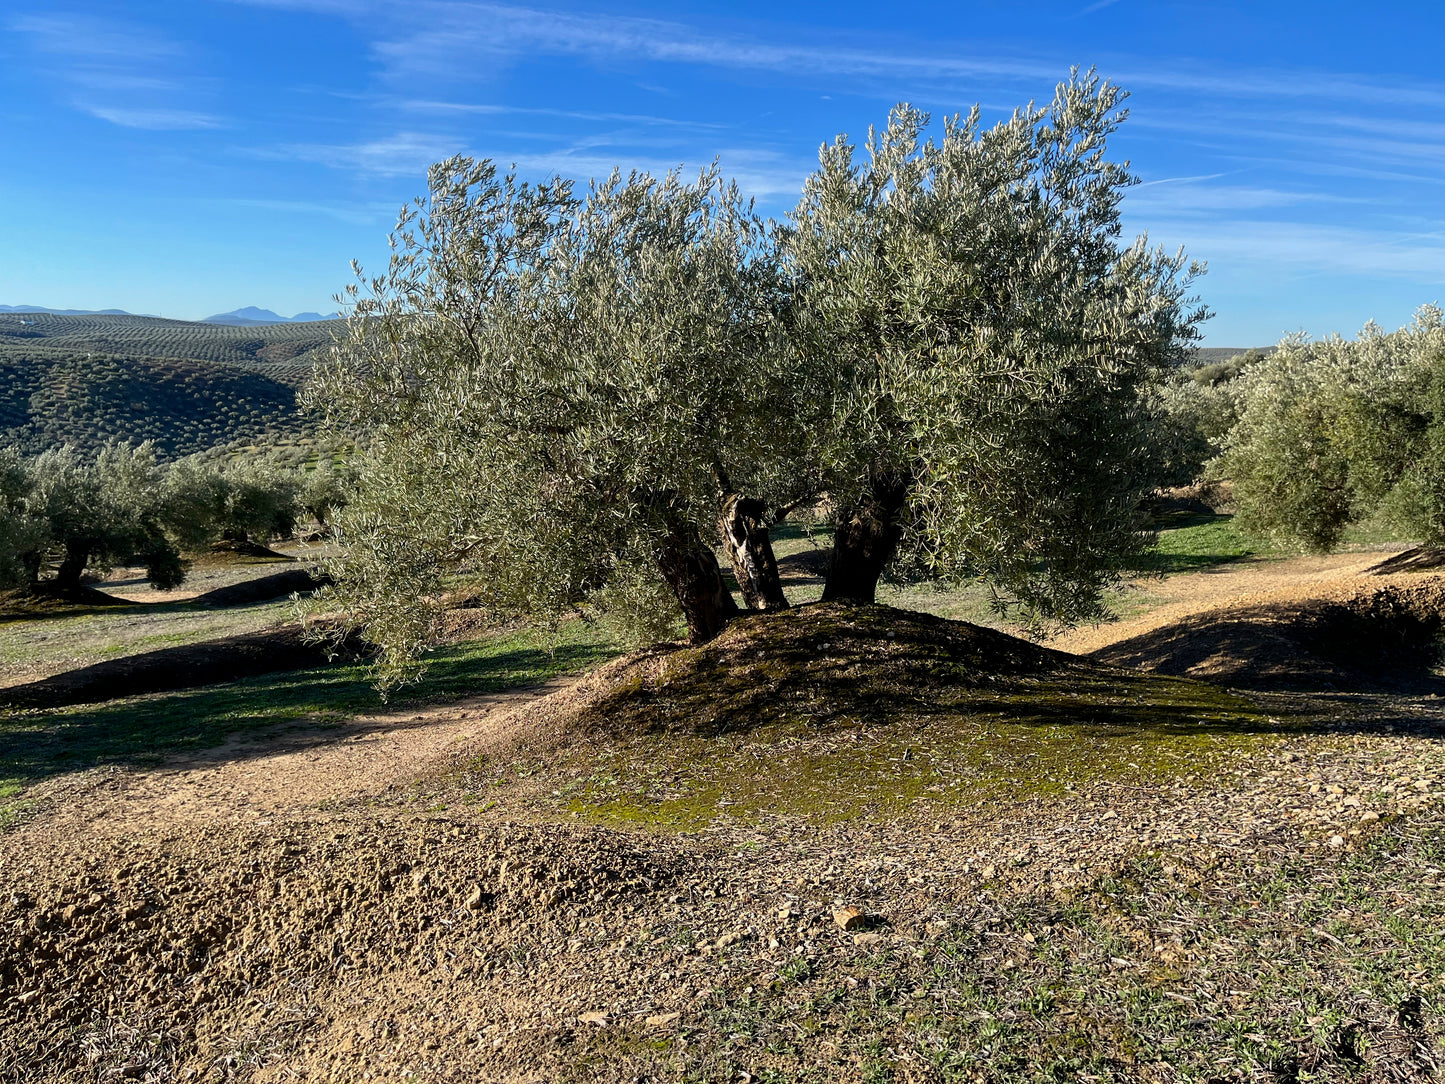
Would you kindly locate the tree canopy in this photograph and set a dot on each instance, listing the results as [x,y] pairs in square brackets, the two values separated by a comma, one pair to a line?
[985,341]
[1333,431]
[572,399]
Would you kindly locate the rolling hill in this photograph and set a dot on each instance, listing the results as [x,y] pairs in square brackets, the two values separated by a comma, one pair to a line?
[189,386]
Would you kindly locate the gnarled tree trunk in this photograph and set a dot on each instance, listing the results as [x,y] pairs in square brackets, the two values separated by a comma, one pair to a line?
[745,537]
[865,539]
[691,570]
[77,555]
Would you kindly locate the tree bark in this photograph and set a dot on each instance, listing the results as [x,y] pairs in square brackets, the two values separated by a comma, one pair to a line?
[745,537]
[865,539]
[77,555]
[691,570]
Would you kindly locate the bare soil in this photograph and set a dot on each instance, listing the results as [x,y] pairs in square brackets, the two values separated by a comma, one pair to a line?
[421,896]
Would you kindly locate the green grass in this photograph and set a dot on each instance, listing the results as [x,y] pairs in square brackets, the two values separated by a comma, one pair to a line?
[1195,543]
[35,745]
[73,640]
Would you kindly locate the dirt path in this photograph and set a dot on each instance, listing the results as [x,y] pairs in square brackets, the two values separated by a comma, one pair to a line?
[1247,581]
[256,777]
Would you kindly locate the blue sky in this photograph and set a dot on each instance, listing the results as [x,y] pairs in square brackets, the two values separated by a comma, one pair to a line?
[185,159]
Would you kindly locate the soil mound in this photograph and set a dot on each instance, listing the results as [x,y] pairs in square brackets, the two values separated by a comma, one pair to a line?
[214,954]
[251,551]
[1419,559]
[264,589]
[825,665]
[1384,636]
[193,665]
[45,599]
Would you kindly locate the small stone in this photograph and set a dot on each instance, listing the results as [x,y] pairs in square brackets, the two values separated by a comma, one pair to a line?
[849,918]
[785,913]
[598,1018]
[987,872]
[1369,815]
[662,1020]
[727,940]
[1337,841]
[867,940]
[27,997]
[474,901]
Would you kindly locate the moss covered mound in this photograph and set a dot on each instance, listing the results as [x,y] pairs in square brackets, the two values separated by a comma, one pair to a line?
[837,712]
[824,666]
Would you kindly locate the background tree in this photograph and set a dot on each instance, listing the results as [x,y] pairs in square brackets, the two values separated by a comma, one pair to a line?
[100,511]
[559,397]
[324,491]
[241,501]
[23,536]
[1331,432]
[982,344]
[262,502]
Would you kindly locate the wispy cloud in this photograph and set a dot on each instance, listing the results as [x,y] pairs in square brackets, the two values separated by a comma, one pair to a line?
[127,75]
[445,38]
[489,109]
[155,120]
[404,154]
[1189,196]
[759,173]
[1312,247]
[1099,5]
[355,214]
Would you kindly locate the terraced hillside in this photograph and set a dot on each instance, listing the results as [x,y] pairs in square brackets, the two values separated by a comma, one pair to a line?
[285,352]
[187,386]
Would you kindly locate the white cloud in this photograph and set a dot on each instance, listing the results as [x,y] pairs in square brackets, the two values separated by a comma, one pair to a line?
[404,154]
[1307,246]
[131,76]
[759,173]
[355,214]
[155,120]
[447,38]
[1184,195]
[489,109]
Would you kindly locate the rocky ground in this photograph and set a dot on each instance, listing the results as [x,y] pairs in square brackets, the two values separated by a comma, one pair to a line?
[440,895]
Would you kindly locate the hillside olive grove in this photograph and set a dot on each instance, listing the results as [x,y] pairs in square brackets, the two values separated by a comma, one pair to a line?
[569,397]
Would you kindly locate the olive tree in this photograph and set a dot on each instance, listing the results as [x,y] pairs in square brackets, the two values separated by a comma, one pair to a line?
[22,535]
[97,512]
[1335,430]
[983,343]
[560,396]
[204,502]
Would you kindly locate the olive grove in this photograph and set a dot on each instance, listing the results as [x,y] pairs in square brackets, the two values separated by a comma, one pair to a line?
[1333,431]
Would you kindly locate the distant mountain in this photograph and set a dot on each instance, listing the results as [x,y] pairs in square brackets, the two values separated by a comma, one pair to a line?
[251,316]
[64,312]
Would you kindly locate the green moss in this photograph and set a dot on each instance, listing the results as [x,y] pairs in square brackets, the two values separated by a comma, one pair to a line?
[819,715]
